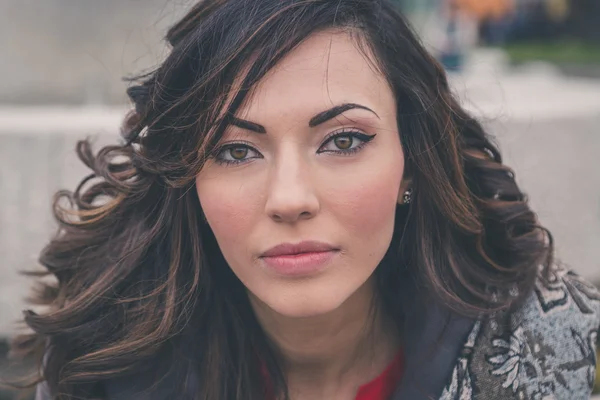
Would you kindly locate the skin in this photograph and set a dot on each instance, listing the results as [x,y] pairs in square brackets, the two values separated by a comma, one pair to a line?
[287,189]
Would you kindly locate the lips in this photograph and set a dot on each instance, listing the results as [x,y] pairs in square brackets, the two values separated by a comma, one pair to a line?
[299,260]
[288,249]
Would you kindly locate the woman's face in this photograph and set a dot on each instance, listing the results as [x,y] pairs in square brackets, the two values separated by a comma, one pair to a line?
[302,195]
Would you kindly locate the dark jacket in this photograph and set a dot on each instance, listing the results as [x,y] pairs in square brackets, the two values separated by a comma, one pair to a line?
[544,350]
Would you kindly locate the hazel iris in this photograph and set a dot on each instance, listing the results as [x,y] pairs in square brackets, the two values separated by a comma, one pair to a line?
[343,142]
[238,153]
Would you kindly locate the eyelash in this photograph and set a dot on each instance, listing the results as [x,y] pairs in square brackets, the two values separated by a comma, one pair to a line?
[220,160]
[364,138]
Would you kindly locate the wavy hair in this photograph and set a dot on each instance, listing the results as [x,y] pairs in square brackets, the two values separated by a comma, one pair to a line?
[138,272]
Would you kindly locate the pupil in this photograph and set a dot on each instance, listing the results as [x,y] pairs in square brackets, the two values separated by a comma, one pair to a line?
[343,142]
[239,153]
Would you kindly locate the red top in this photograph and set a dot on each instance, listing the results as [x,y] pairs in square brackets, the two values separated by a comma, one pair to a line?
[380,388]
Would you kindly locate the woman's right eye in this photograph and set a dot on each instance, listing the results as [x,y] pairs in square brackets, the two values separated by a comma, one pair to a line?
[236,153]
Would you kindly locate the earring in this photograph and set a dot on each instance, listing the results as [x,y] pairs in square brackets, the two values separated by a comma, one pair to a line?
[407,197]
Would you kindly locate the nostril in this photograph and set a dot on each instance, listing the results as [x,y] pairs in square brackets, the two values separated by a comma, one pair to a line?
[305,214]
[283,217]
[277,217]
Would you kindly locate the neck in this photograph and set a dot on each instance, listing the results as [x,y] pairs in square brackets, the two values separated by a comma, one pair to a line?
[353,341]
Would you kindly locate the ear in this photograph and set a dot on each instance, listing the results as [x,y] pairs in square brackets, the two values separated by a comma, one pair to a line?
[404,186]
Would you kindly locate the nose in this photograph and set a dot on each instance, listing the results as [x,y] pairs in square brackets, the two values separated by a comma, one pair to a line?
[291,193]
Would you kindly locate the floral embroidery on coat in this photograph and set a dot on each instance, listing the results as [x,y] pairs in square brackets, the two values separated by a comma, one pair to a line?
[543,351]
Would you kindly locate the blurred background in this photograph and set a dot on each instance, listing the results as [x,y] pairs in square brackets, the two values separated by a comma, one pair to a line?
[529,69]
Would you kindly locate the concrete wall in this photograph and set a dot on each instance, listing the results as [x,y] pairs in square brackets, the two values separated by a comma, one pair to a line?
[76,51]
[33,166]
[56,52]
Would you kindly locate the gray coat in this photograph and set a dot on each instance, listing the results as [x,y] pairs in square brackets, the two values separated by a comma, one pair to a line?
[543,351]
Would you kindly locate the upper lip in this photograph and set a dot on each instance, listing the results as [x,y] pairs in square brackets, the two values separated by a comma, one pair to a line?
[288,249]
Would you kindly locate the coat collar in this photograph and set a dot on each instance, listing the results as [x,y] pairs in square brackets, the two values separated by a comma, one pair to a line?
[433,339]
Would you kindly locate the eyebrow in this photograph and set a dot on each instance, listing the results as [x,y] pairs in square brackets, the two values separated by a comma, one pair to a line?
[242,123]
[318,119]
[334,112]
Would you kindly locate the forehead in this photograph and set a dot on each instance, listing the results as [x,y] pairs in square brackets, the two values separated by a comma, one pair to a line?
[327,68]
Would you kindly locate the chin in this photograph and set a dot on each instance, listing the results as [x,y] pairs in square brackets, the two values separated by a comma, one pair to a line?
[303,310]
[294,303]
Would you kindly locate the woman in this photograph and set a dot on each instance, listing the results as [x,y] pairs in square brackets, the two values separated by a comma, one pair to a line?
[302,210]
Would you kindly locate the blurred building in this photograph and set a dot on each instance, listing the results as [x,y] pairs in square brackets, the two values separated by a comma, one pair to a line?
[77,51]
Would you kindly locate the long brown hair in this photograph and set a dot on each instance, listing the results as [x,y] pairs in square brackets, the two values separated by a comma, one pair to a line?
[139,274]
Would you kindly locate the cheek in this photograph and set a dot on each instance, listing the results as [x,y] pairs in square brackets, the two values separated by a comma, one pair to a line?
[230,210]
[365,214]
[366,204]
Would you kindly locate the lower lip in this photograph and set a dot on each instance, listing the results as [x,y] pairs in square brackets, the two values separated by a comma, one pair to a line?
[299,264]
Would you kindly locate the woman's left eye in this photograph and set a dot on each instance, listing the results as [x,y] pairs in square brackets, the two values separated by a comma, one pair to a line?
[345,142]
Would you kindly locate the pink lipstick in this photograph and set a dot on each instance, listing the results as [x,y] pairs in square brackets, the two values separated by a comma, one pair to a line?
[304,258]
